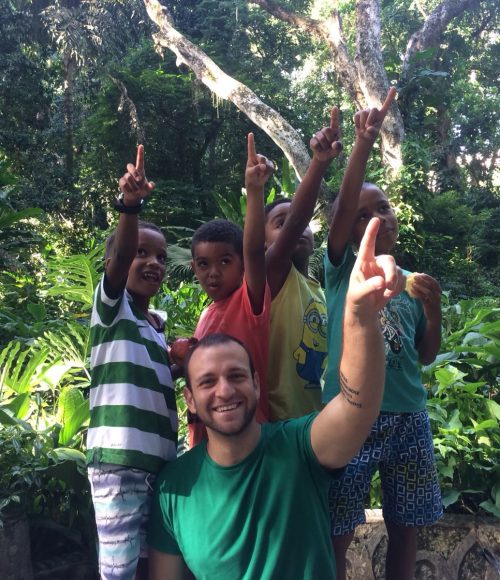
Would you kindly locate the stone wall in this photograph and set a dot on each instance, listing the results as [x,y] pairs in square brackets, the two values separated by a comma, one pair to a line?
[452,549]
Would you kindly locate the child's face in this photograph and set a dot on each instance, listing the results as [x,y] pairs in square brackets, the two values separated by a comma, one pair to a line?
[218,267]
[374,203]
[147,271]
[274,223]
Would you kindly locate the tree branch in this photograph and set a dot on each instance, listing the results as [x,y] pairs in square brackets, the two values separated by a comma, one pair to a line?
[432,30]
[227,88]
[132,110]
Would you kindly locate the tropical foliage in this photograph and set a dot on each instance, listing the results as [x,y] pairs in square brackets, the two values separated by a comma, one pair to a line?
[81,83]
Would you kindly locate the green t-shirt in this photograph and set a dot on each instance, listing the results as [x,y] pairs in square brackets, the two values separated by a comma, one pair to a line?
[403,323]
[264,518]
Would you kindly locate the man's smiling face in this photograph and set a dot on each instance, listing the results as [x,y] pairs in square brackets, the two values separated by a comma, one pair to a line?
[223,394]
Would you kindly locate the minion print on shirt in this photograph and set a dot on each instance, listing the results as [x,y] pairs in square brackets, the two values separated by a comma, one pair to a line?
[312,350]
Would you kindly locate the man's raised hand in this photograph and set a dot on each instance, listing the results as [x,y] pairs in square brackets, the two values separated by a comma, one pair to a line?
[258,168]
[374,279]
[134,184]
[326,144]
[369,121]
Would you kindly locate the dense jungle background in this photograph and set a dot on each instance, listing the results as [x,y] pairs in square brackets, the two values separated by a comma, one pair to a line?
[83,82]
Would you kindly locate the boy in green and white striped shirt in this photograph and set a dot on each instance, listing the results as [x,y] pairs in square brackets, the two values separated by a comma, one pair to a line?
[133,422]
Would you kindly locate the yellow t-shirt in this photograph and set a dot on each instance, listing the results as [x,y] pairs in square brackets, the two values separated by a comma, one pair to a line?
[297,348]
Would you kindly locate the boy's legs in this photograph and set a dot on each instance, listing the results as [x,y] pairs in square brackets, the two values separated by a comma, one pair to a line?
[347,496]
[410,489]
[121,498]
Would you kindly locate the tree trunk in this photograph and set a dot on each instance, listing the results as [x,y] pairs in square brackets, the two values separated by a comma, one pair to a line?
[373,79]
[364,79]
[227,88]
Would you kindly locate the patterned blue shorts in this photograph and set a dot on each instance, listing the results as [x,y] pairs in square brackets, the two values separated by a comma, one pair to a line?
[122,499]
[400,447]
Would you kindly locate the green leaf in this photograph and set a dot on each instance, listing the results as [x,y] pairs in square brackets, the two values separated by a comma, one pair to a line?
[490,507]
[449,375]
[38,311]
[493,408]
[488,424]
[73,411]
[6,419]
[450,497]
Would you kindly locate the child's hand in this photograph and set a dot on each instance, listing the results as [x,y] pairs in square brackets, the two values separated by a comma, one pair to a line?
[427,290]
[374,279]
[258,169]
[325,144]
[369,121]
[134,184]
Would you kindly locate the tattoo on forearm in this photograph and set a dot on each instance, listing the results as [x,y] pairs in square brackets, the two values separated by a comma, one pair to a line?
[349,394]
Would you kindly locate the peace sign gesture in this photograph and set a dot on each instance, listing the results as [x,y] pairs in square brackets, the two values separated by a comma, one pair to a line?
[258,169]
[369,121]
[325,143]
[134,184]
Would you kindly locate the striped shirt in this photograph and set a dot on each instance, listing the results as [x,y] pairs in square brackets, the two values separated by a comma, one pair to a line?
[133,414]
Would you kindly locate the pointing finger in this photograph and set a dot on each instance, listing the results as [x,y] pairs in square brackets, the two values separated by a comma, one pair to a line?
[252,154]
[366,251]
[335,119]
[388,100]
[139,164]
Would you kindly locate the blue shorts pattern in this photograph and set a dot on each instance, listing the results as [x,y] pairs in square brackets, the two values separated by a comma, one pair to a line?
[400,447]
[122,499]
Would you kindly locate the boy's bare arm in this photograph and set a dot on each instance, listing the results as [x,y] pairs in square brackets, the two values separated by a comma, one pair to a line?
[340,429]
[326,146]
[257,173]
[367,125]
[166,566]
[135,187]
[428,291]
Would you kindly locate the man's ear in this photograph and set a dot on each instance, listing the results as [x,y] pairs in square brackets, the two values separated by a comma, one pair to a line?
[188,395]
[192,267]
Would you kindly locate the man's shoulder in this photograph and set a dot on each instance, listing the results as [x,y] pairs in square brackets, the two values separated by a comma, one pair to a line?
[288,427]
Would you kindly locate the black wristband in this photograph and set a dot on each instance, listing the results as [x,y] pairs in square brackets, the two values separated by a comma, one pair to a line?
[128,209]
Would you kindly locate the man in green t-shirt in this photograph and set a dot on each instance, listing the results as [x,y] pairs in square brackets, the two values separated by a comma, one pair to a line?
[251,502]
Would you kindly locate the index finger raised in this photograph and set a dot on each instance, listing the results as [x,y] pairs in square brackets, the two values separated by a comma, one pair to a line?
[252,154]
[388,100]
[335,119]
[139,163]
[366,251]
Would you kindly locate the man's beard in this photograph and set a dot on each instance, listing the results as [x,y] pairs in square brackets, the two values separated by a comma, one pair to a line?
[231,430]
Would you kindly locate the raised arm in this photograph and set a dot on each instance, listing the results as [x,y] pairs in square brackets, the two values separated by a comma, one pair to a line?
[134,187]
[339,430]
[428,291]
[325,146]
[257,172]
[367,126]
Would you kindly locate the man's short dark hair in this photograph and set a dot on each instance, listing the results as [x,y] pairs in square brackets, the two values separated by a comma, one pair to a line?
[277,201]
[141,225]
[215,339]
[219,231]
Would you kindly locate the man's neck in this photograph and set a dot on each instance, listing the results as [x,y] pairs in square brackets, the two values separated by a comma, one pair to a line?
[227,450]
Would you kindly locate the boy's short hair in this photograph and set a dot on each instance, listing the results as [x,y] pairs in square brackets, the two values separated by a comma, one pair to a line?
[277,201]
[219,231]
[215,339]
[141,225]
